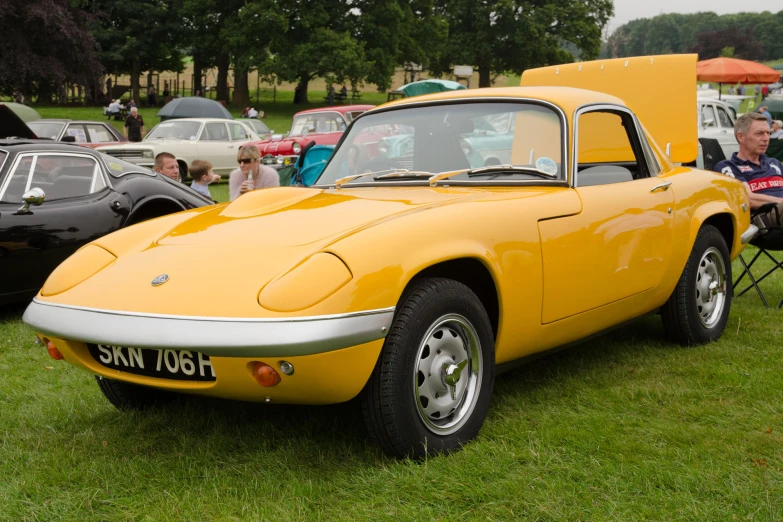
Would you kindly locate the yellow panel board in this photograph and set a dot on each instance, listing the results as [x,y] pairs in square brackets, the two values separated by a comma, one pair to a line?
[661,90]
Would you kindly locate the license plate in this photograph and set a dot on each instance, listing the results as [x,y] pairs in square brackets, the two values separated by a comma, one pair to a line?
[182,365]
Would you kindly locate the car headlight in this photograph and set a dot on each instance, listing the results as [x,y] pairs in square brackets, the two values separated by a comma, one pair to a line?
[280,160]
[296,147]
[147,154]
[308,284]
[82,265]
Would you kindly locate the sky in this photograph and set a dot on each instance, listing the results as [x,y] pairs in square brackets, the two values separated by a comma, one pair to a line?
[627,10]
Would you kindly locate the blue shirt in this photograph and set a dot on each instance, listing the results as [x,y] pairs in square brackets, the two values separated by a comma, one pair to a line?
[766,177]
[201,189]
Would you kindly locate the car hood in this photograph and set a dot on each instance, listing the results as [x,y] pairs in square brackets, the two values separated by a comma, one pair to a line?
[226,254]
[12,126]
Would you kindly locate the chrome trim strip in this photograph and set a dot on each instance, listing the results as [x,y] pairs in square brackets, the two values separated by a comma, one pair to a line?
[214,336]
[604,107]
[749,234]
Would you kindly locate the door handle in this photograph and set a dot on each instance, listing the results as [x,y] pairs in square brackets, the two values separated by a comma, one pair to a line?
[662,186]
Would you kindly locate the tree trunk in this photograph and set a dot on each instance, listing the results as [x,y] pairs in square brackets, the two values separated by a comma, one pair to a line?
[222,79]
[304,80]
[135,73]
[485,76]
[241,89]
[197,68]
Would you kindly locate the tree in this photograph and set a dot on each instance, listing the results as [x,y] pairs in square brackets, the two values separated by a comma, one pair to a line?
[45,43]
[319,42]
[143,35]
[714,43]
[514,35]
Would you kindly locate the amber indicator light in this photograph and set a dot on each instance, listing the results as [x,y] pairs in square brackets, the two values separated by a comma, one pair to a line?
[265,375]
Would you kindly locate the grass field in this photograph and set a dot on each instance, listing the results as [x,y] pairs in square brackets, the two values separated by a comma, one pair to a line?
[626,427]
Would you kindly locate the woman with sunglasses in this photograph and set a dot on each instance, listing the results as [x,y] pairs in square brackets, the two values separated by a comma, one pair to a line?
[251,174]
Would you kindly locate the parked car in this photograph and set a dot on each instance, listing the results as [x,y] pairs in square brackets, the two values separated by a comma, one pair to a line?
[82,132]
[259,127]
[55,197]
[323,126]
[413,287]
[212,139]
[716,121]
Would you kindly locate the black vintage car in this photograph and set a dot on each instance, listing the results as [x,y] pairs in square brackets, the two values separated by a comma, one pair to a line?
[56,197]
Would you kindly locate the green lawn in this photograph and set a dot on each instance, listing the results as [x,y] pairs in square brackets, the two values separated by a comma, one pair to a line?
[625,427]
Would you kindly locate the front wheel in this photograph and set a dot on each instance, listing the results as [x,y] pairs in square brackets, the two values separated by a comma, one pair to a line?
[697,310]
[431,387]
[127,396]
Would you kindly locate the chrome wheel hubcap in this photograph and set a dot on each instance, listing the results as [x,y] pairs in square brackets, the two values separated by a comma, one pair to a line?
[448,374]
[710,287]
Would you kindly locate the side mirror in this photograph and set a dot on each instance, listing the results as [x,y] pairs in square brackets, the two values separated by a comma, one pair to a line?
[69,139]
[34,196]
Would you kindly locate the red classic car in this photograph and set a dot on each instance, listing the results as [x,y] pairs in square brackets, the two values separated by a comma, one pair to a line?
[324,126]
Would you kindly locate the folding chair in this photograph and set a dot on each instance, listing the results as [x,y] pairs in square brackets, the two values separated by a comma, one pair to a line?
[768,239]
[712,152]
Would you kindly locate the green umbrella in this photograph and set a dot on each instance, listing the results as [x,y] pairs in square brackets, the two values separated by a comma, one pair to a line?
[430,86]
[24,112]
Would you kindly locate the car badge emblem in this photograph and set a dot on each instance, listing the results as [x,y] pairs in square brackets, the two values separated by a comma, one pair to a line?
[162,278]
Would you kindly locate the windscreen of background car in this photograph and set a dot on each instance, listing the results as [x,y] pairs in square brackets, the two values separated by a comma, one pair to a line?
[46,129]
[451,137]
[181,130]
[317,122]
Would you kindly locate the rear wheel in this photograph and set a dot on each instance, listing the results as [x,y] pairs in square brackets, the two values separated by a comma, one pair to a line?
[431,387]
[127,396]
[698,309]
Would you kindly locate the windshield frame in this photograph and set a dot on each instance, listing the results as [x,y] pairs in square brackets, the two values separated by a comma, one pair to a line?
[564,181]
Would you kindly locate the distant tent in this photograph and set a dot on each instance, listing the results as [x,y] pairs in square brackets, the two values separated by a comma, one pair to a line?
[193,107]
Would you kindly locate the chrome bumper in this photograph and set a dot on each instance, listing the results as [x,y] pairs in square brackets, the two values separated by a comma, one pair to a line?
[214,336]
[749,234]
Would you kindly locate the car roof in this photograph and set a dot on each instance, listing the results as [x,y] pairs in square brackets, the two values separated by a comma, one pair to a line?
[25,145]
[337,108]
[66,120]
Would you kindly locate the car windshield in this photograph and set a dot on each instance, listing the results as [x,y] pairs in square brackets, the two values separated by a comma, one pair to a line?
[257,127]
[482,140]
[183,130]
[317,122]
[46,129]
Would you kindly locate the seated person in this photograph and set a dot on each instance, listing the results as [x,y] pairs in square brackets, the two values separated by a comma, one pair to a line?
[114,108]
[252,113]
[777,130]
[762,176]
[201,172]
[251,174]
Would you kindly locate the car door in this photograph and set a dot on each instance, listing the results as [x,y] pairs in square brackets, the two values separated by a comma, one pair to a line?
[215,146]
[79,206]
[77,131]
[619,245]
[708,122]
[99,133]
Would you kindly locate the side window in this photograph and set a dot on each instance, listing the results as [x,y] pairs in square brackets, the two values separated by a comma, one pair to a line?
[99,134]
[59,177]
[725,119]
[77,131]
[215,132]
[708,116]
[609,150]
[237,132]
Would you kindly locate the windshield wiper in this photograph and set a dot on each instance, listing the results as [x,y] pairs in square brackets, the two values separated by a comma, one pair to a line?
[404,173]
[510,169]
[384,174]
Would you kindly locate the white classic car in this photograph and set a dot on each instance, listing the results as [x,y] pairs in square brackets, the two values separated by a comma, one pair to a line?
[716,120]
[211,139]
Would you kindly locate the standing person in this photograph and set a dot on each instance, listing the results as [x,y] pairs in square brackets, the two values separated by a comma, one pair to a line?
[201,172]
[765,112]
[151,96]
[756,91]
[251,174]
[166,165]
[134,125]
[166,92]
[761,176]
[764,91]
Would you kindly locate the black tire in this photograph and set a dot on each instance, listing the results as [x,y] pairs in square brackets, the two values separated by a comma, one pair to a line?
[403,409]
[696,313]
[127,396]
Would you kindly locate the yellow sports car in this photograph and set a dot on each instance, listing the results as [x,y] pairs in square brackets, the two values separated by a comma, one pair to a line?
[485,226]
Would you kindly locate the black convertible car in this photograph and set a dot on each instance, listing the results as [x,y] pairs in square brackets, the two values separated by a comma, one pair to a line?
[56,197]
